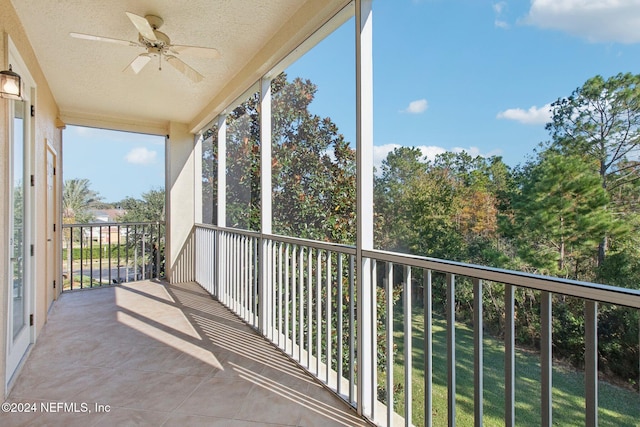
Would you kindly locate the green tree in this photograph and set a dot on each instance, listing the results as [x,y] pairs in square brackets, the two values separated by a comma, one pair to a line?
[447,208]
[601,120]
[77,199]
[243,165]
[401,172]
[151,207]
[210,175]
[313,168]
[561,214]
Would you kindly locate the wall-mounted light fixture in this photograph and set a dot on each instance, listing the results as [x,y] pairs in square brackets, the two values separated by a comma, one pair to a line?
[10,85]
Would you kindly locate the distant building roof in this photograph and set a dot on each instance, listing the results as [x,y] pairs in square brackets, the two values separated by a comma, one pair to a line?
[107,215]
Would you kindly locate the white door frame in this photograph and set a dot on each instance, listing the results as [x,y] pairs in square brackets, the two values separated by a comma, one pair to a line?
[18,345]
[51,232]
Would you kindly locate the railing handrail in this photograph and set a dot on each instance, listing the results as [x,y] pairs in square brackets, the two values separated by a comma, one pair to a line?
[557,285]
[112,224]
[575,288]
[335,247]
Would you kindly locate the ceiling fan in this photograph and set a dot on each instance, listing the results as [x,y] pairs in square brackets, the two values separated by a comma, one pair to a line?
[157,44]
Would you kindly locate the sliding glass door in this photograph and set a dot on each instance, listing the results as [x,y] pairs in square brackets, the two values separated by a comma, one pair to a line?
[20,290]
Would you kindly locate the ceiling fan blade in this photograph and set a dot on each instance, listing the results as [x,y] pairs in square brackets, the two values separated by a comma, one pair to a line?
[102,39]
[138,63]
[197,51]
[142,25]
[184,69]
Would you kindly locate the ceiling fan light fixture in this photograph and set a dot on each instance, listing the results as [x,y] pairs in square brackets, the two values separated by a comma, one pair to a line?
[10,85]
[156,43]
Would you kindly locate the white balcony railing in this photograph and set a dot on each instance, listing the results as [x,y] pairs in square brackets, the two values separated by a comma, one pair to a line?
[100,254]
[301,295]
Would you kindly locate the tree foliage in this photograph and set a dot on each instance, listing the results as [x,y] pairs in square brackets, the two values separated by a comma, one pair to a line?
[77,200]
[313,167]
[601,121]
[555,215]
[576,200]
[560,214]
[150,208]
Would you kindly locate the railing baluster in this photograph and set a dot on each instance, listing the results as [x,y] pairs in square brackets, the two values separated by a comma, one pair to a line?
[309,309]
[546,364]
[339,325]
[234,272]
[591,362]
[109,250]
[247,288]
[81,257]
[428,349]
[509,357]
[279,303]
[374,339]
[286,297]
[91,257]
[478,353]
[294,301]
[150,263]
[273,290]
[126,254]
[70,258]
[243,284]
[352,330]
[389,339]
[451,350]
[408,353]
[135,252]
[231,271]
[255,250]
[300,337]
[318,310]
[118,267]
[329,298]
[100,256]
[241,280]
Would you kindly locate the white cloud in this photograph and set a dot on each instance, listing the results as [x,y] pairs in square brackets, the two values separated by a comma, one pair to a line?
[532,116]
[380,153]
[429,152]
[416,107]
[141,156]
[594,20]
[499,8]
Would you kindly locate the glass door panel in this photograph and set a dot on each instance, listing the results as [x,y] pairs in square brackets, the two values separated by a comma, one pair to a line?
[17,243]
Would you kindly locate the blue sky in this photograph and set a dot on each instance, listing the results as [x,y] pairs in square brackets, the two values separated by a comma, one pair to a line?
[118,164]
[477,75]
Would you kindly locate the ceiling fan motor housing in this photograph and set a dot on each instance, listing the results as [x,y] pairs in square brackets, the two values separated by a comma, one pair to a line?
[162,40]
[155,21]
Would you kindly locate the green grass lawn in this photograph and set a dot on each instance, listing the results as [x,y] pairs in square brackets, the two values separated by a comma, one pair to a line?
[618,406]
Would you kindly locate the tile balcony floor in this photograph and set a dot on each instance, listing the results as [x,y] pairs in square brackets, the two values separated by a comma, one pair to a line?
[163,355]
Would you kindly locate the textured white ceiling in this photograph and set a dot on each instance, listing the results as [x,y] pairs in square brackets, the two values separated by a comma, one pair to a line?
[86,77]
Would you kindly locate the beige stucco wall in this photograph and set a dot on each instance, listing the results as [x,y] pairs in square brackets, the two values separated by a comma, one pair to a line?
[46,112]
[180,176]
